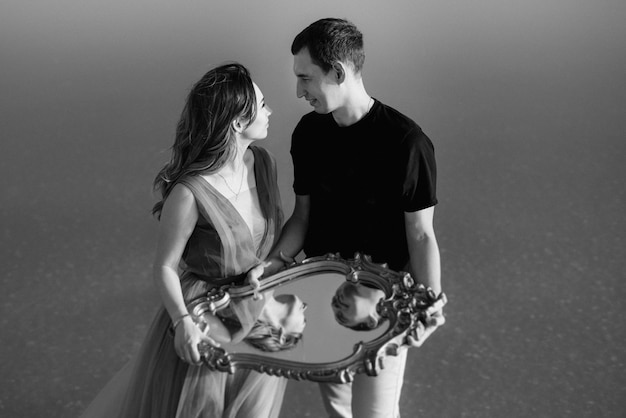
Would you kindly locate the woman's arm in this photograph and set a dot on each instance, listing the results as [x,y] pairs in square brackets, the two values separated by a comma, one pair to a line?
[178,219]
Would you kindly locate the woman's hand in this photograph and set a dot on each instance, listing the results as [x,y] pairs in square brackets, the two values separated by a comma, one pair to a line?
[188,337]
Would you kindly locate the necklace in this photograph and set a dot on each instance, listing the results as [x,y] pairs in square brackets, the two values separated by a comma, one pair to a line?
[240,183]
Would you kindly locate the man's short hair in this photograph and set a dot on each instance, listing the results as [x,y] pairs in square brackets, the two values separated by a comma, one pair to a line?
[329,40]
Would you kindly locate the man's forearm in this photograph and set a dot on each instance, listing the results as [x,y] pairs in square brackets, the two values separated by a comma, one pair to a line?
[425,262]
[291,238]
[294,231]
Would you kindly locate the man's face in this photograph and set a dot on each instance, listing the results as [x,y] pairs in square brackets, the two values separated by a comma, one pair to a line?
[354,304]
[319,89]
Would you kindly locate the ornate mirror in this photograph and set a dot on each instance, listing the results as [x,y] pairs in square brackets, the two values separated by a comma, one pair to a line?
[356,313]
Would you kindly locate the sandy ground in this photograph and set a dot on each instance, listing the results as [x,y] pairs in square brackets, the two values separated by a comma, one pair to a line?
[531,226]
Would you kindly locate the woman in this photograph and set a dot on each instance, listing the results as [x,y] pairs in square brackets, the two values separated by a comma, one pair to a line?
[219,216]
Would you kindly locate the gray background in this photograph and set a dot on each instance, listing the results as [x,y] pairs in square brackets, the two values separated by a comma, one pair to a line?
[525,102]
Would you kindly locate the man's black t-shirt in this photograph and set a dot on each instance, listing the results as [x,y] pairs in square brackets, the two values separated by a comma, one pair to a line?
[361,179]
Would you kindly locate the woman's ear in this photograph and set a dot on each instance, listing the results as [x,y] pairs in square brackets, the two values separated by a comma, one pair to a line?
[238,125]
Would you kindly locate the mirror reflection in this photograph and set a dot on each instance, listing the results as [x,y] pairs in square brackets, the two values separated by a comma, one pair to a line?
[306,306]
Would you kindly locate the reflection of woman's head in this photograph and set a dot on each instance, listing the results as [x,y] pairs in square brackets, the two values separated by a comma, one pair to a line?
[280,325]
[266,337]
[354,306]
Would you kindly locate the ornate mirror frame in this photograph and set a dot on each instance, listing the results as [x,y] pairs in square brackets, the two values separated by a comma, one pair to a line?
[406,305]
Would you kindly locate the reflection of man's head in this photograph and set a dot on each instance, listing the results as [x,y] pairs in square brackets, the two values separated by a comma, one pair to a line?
[354,306]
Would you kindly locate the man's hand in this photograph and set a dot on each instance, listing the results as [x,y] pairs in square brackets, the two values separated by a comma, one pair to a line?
[253,276]
[266,268]
[422,332]
[434,319]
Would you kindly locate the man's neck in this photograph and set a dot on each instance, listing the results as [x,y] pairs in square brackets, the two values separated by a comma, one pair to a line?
[357,104]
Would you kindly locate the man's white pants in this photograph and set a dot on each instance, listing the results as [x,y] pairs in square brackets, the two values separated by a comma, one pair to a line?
[368,396]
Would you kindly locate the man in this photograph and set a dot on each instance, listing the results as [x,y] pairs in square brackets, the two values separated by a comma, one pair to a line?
[365,180]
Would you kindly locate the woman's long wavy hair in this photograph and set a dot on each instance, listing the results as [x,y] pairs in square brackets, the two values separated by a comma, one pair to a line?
[205,136]
[266,337]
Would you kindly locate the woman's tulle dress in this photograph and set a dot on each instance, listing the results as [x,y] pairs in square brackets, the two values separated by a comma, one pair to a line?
[156,383]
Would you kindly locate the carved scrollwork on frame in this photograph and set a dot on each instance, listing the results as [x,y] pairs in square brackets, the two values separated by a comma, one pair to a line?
[335,345]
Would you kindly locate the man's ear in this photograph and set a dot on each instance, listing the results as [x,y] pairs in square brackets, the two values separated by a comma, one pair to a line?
[372,323]
[238,125]
[340,71]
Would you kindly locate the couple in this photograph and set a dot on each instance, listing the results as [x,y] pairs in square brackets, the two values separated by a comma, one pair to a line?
[364,181]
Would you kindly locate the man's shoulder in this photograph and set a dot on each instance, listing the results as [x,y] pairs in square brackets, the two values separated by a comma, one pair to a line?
[399,123]
[395,115]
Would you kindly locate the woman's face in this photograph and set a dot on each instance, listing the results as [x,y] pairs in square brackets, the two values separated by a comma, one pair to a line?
[294,320]
[257,128]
